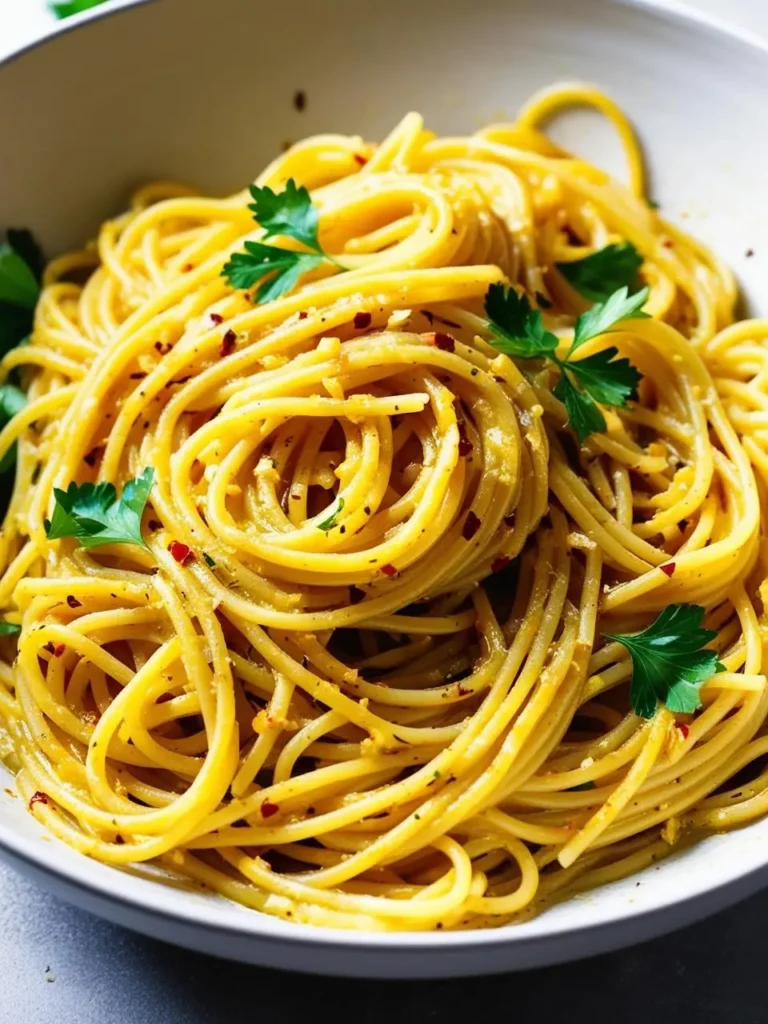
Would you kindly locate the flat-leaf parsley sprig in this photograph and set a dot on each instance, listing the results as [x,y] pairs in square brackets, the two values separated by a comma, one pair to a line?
[94,514]
[601,273]
[288,214]
[519,332]
[669,662]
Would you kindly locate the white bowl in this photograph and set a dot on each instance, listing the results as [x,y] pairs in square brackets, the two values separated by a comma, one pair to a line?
[202,91]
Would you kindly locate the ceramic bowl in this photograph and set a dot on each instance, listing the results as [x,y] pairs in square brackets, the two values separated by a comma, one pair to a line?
[203,92]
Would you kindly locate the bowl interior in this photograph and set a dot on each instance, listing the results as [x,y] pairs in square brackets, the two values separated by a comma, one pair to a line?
[203,92]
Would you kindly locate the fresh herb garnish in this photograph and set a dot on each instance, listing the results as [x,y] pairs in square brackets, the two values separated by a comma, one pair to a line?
[668,662]
[66,8]
[208,560]
[288,214]
[582,787]
[333,519]
[93,514]
[600,274]
[9,628]
[21,265]
[519,332]
[12,401]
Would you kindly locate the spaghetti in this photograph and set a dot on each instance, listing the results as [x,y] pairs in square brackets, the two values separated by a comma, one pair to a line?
[357,677]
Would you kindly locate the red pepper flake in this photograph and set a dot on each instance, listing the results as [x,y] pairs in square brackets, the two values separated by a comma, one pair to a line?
[361,321]
[300,100]
[49,647]
[217,318]
[389,570]
[668,569]
[445,342]
[228,343]
[163,349]
[73,602]
[58,650]
[462,692]
[684,730]
[362,160]
[303,314]
[155,524]
[39,798]
[471,526]
[181,553]
[668,243]
[465,445]
[93,455]
[509,520]
[500,563]
[139,375]
[119,840]
[356,595]
[187,267]
[749,253]
[268,809]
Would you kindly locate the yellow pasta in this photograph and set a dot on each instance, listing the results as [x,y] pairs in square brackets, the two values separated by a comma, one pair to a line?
[358,676]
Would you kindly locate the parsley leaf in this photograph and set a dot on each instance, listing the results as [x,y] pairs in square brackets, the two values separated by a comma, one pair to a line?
[583,415]
[282,269]
[519,330]
[582,787]
[668,663]
[93,514]
[607,379]
[598,275]
[66,8]
[289,214]
[18,285]
[333,519]
[21,267]
[604,316]
[12,401]
[9,628]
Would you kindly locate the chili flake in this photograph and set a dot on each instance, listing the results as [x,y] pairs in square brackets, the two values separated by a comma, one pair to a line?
[268,809]
[471,526]
[73,602]
[465,445]
[668,569]
[217,318]
[362,320]
[181,553]
[228,343]
[445,342]
[389,570]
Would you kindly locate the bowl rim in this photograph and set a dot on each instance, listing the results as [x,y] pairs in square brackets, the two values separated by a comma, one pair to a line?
[153,899]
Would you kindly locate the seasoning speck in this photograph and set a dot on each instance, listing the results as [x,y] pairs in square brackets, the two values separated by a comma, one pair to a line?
[471,526]
[300,100]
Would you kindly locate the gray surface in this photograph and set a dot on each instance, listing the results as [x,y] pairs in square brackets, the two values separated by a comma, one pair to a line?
[60,966]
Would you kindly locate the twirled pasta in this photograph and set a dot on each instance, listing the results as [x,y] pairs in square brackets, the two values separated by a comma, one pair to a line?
[406,719]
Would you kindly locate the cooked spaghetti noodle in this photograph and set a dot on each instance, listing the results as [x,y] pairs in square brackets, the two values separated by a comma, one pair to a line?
[403,716]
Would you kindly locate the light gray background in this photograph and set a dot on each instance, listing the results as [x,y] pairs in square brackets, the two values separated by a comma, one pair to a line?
[58,965]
